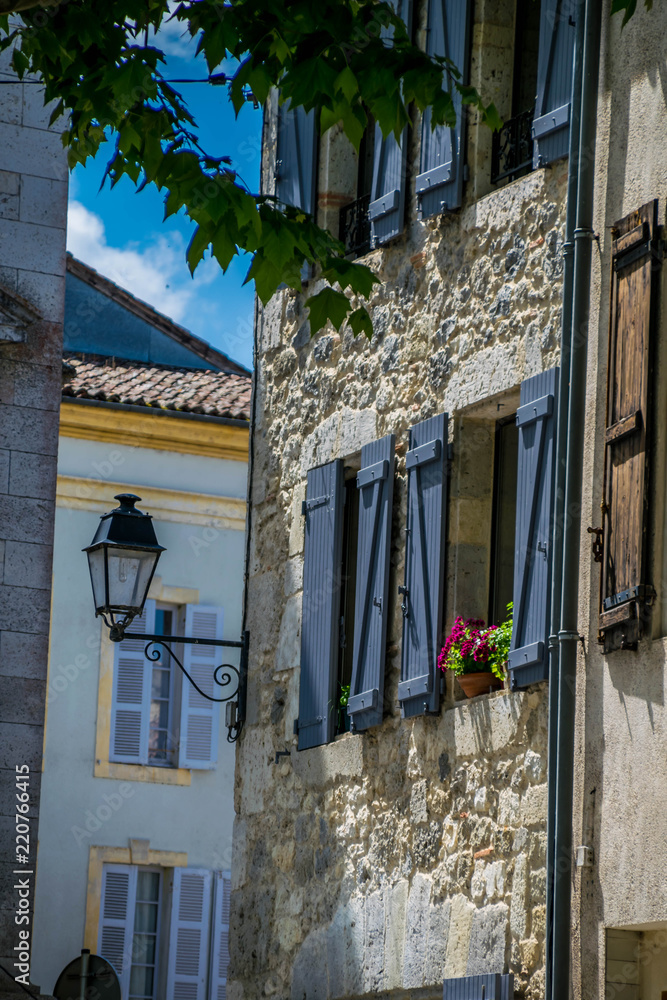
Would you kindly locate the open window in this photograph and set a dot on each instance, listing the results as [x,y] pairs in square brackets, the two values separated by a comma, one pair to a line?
[165,931]
[345,593]
[157,717]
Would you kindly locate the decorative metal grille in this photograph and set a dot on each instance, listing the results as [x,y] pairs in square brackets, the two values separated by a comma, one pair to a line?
[355,227]
[512,148]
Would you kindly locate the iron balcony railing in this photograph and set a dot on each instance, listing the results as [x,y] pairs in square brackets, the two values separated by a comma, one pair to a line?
[355,227]
[512,148]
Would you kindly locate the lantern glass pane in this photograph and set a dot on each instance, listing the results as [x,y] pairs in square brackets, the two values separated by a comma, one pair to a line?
[96,565]
[130,572]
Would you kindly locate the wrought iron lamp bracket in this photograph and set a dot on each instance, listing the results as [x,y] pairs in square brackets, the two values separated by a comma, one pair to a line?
[223,675]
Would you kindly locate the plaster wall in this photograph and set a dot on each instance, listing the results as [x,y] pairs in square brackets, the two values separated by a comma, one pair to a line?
[33,211]
[621,744]
[78,809]
[385,861]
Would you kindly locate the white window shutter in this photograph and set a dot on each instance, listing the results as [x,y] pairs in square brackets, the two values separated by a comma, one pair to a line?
[130,705]
[220,940]
[198,744]
[188,934]
[119,885]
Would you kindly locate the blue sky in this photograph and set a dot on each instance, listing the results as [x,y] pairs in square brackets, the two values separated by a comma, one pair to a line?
[121,233]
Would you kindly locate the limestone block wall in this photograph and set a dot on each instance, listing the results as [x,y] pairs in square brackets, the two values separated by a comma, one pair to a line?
[33,212]
[385,861]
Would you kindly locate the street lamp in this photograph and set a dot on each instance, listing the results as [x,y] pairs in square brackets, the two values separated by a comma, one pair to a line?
[122,558]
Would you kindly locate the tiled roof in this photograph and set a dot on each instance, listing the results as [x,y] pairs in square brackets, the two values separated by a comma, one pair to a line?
[189,390]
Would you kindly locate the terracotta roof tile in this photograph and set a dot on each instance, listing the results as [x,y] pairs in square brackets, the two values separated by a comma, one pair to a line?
[219,394]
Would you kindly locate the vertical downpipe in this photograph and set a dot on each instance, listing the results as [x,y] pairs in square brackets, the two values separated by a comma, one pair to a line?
[561,450]
[568,633]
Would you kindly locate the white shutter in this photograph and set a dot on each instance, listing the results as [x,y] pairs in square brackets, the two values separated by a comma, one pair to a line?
[198,744]
[217,989]
[188,934]
[130,704]
[119,886]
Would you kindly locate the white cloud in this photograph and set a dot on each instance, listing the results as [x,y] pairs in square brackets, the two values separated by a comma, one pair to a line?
[156,272]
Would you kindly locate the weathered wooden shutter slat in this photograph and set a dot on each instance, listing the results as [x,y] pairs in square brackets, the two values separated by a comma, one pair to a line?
[296,162]
[387,207]
[492,986]
[318,697]
[130,703]
[375,482]
[187,963]
[624,589]
[419,688]
[551,123]
[200,718]
[440,180]
[528,661]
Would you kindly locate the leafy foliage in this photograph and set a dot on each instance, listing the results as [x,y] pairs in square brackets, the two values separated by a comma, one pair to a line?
[628,8]
[472,646]
[349,58]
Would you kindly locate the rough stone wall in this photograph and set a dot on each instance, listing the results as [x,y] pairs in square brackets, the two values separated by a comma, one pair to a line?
[385,861]
[33,212]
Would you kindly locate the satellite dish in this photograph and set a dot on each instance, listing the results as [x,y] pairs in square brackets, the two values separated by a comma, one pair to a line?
[88,976]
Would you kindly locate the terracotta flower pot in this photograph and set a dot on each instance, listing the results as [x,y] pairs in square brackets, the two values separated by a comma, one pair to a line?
[480,682]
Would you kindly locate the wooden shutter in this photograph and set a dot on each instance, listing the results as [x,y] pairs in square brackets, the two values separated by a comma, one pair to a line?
[200,718]
[624,589]
[296,162]
[536,420]
[493,986]
[440,180]
[551,124]
[426,463]
[318,696]
[119,884]
[217,989]
[387,207]
[130,703]
[187,962]
[375,483]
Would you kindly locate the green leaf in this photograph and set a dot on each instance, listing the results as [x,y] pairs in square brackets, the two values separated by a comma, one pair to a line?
[347,83]
[327,305]
[200,240]
[361,322]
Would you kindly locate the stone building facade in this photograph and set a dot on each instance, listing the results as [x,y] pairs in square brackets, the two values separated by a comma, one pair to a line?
[388,860]
[33,213]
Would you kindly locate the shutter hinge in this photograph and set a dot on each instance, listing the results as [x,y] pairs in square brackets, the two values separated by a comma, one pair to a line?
[404,606]
[596,543]
[296,727]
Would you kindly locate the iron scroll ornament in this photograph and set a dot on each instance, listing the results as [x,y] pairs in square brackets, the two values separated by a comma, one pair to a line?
[237,718]
[222,681]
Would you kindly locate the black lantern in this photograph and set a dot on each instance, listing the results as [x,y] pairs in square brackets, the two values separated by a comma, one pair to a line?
[122,558]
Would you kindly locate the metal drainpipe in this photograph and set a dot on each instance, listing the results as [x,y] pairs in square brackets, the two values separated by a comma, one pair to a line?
[561,450]
[568,635]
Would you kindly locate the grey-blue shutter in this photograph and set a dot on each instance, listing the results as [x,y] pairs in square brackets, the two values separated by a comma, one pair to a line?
[387,206]
[551,124]
[493,985]
[426,463]
[296,162]
[440,178]
[323,553]
[536,420]
[375,483]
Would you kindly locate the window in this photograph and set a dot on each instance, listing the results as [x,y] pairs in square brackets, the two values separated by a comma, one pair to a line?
[157,717]
[535,99]
[504,519]
[337,581]
[165,931]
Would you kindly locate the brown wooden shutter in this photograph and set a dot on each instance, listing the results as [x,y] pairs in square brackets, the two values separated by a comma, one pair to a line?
[624,592]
